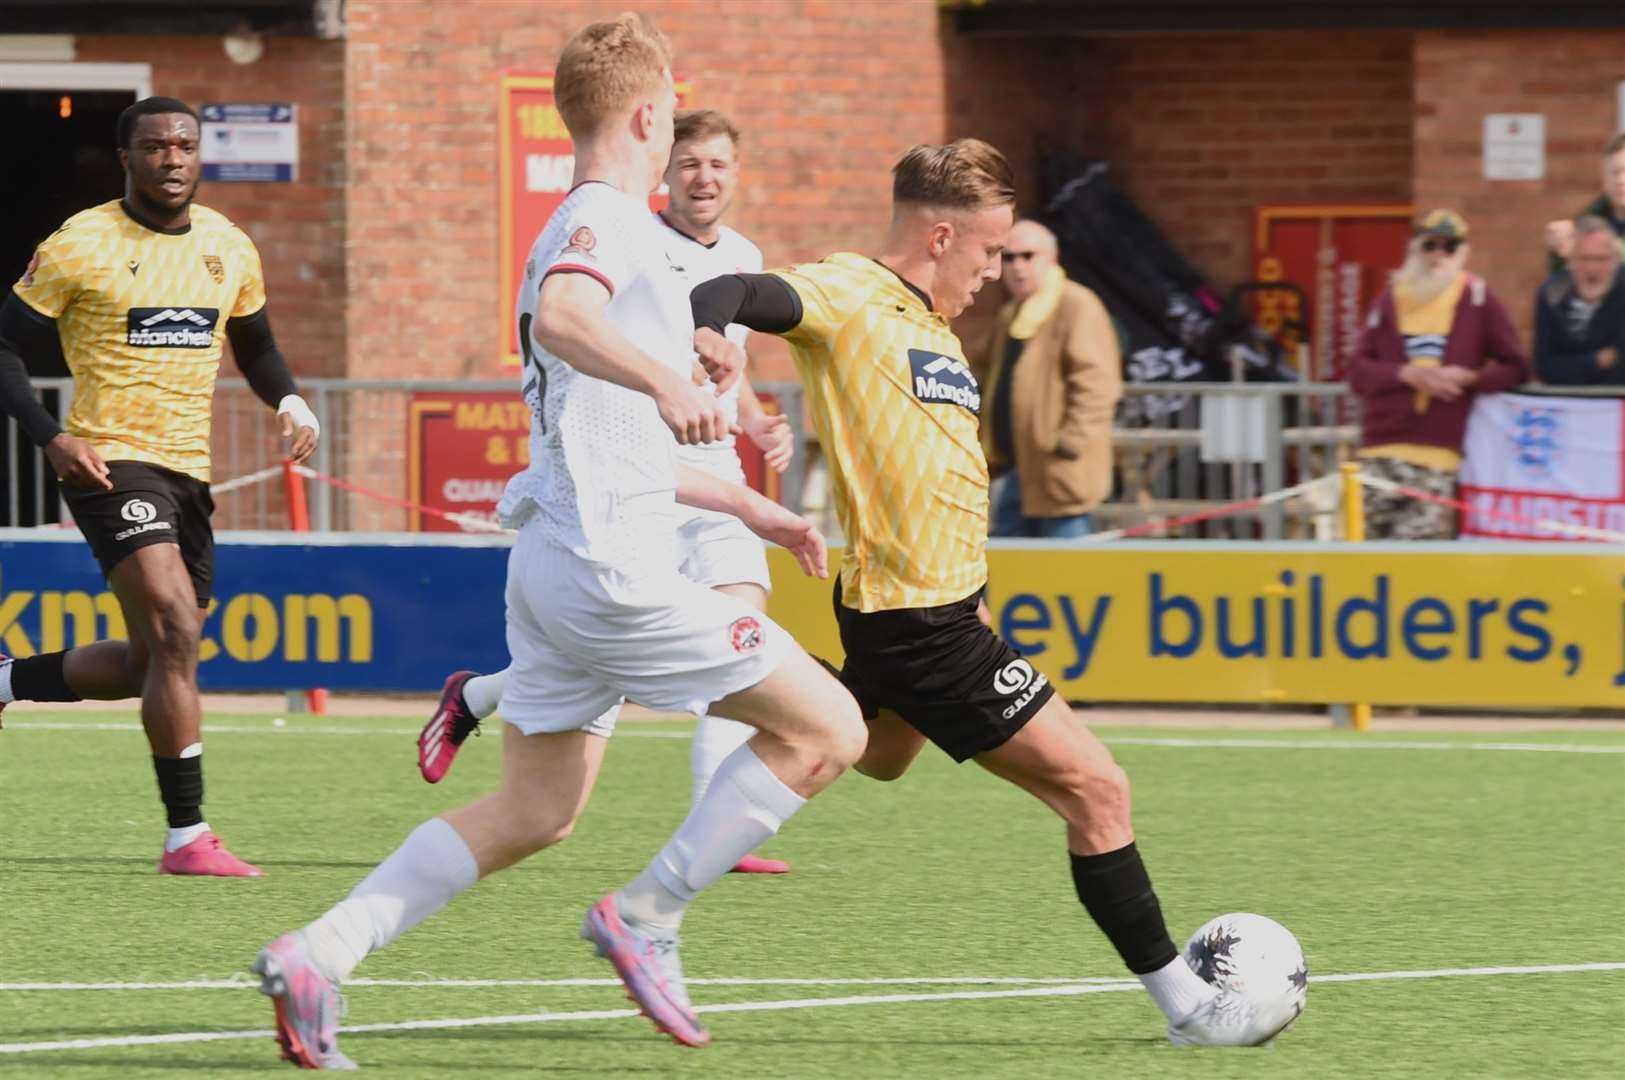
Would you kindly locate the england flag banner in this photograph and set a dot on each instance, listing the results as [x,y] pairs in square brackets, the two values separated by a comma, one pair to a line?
[1533,459]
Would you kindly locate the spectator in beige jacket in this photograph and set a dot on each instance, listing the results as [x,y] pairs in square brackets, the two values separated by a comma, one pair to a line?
[1051,375]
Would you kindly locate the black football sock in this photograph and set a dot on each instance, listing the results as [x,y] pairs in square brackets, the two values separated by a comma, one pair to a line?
[180,785]
[1116,891]
[42,678]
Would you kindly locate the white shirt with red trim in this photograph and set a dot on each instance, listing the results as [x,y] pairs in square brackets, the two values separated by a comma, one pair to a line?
[699,263]
[603,470]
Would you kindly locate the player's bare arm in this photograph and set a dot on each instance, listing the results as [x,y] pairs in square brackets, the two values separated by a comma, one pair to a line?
[761,515]
[571,324]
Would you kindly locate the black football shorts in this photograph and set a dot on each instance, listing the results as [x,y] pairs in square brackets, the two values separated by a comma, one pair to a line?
[950,677]
[148,504]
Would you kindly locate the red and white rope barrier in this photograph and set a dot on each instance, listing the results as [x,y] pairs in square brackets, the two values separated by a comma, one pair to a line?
[1229,509]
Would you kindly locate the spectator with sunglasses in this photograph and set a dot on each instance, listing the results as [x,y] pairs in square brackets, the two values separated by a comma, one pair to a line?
[1435,338]
[1051,374]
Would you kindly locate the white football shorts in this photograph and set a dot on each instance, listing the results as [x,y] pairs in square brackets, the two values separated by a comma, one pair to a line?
[716,549]
[584,637]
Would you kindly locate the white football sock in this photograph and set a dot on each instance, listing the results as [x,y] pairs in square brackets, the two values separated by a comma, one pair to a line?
[483,693]
[6,696]
[1176,989]
[419,878]
[179,838]
[744,806]
[714,740]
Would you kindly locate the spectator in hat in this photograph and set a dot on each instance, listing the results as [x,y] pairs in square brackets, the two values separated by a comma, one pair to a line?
[1609,207]
[1580,313]
[1050,375]
[1436,338]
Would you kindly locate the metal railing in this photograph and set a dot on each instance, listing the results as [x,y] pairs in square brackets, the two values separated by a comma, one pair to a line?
[1182,449]
[366,441]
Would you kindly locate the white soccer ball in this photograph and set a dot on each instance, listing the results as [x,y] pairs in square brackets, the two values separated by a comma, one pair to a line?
[1252,956]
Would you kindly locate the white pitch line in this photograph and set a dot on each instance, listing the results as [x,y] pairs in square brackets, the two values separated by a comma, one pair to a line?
[1069,990]
[246,983]
[295,728]
[1358,743]
[1167,742]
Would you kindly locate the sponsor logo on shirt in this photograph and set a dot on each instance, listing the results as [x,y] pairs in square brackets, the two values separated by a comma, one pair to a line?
[172,328]
[943,380]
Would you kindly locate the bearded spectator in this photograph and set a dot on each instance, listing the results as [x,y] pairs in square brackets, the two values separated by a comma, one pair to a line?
[1436,338]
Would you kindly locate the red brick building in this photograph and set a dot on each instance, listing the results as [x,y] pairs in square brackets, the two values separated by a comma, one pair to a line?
[382,256]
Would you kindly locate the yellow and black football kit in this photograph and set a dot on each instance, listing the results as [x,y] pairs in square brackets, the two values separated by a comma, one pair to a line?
[141,315]
[895,406]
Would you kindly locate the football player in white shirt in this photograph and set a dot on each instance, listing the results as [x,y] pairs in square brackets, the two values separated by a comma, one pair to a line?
[714,549]
[597,610]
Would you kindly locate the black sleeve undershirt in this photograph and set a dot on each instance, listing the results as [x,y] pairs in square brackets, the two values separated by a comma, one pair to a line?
[24,331]
[262,363]
[760,301]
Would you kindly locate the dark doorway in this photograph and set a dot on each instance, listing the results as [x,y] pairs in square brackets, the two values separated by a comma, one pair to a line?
[64,161]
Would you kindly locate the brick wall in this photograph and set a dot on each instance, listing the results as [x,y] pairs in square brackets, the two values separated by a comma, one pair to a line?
[1200,129]
[1571,78]
[826,93]
[298,228]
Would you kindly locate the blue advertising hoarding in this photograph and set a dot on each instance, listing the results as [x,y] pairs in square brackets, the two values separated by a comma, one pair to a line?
[348,613]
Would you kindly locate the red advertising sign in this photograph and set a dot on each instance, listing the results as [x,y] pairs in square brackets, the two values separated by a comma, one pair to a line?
[1340,257]
[463,449]
[536,161]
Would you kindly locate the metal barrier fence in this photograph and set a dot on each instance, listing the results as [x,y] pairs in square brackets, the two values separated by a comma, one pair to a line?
[1179,449]
[365,441]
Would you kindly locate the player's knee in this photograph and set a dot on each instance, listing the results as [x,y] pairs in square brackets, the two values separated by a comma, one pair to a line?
[173,630]
[1104,790]
[848,734]
[542,827]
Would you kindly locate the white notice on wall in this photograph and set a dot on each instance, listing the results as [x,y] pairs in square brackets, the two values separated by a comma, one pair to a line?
[1620,126]
[250,143]
[1515,146]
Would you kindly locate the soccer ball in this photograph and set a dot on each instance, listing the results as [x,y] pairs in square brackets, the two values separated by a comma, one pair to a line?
[1250,955]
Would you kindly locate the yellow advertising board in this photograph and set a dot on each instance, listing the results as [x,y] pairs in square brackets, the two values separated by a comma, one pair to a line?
[1535,625]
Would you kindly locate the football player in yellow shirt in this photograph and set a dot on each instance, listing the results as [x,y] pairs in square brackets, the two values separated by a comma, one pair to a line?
[895,407]
[142,292]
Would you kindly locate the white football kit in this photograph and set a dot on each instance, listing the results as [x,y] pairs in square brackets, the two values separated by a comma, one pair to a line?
[597,609]
[715,548]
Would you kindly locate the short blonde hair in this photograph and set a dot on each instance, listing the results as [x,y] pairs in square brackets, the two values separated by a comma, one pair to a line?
[606,65]
[703,124]
[966,174]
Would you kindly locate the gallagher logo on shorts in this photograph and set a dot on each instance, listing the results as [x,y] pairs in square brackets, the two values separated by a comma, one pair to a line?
[142,513]
[745,634]
[942,380]
[172,328]
[1018,677]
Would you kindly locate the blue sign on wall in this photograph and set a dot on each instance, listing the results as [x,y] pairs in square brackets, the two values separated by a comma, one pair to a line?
[394,616]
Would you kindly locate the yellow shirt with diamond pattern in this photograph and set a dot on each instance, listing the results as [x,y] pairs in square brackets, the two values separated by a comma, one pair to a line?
[135,402]
[909,478]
